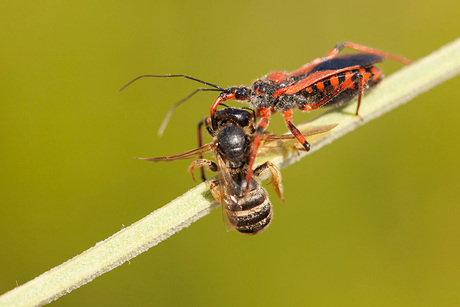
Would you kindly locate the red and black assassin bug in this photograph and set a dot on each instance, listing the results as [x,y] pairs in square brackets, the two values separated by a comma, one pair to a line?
[331,80]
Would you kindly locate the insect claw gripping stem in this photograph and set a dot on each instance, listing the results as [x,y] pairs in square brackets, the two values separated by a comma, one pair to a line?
[360,92]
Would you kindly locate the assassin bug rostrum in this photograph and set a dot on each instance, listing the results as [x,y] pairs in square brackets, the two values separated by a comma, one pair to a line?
[331,80]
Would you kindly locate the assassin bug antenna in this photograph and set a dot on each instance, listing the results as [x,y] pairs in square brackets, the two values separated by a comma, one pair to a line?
[170,76]
[174,106]
[215,88]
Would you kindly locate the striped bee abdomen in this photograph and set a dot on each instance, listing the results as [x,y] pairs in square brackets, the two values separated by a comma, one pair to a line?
[251,212]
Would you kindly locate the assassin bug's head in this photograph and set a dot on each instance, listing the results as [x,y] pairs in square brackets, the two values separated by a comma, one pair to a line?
[235,93]
[238,93]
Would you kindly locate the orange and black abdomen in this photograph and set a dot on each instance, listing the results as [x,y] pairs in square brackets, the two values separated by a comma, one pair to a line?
[317,91]
[339,84]
[251,212]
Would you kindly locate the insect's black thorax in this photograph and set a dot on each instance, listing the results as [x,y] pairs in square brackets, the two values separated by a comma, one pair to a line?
[264,90]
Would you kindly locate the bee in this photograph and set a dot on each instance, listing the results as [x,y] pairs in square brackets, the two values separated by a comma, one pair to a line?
[246,204]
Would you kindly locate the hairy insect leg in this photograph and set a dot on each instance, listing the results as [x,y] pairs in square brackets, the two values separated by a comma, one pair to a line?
[337,48]
[295,132]
[360,92]
[274,177]
[264,113]
[216,191]
[201,163]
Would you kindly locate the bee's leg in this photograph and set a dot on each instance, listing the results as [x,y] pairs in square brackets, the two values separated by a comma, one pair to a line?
[202,163]
[274,177]
[215,187]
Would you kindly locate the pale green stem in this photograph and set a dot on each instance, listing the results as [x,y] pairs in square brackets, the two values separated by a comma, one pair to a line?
[395,90]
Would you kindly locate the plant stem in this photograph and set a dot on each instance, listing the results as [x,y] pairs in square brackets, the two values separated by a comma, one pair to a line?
[126,244]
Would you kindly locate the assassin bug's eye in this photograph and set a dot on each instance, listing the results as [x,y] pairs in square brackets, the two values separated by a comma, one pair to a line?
[242,93]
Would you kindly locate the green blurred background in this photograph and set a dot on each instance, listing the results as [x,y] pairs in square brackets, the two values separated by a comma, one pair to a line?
[371,220]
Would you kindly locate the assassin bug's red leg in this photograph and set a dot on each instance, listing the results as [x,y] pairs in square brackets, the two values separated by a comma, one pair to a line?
[295,132]
[337,48]
[264,113]
[215,105]
[360,92]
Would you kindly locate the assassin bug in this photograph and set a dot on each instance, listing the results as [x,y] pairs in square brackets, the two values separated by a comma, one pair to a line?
[331,80]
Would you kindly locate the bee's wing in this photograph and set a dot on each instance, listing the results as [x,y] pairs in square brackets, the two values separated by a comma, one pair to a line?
[228,226]
[279,143]
[227,186]
[185,155]
[306,133]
